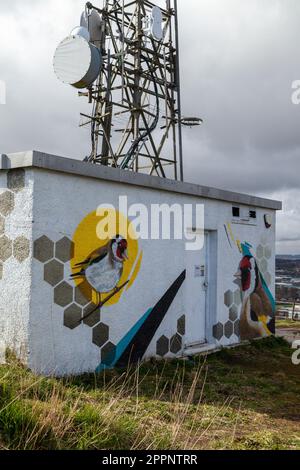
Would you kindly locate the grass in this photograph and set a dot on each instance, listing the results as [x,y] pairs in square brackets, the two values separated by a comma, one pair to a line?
[241,398]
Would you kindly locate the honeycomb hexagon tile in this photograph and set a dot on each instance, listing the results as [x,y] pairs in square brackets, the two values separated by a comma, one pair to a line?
[237,297]
[236,328]
[264,240]
[63,294]
[100,334]
[268,278]
[5,248]
[43,249]
[263,265]
[21,249]
[72,316]
[108,353]
[176,344]
[162,346]
[7,203]
[94,318]
[233,313]
[228,329]
[228,298]
[260,252]
[64,249]
[80,298]
[54,272]
[218,331]
[2,225]
[268,252]
[181,325]
[16,179]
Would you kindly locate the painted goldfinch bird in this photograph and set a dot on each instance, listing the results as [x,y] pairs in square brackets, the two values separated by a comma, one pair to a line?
[257,316]
[103,269]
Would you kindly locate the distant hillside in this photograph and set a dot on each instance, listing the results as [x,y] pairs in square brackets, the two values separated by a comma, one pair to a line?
[288,257]
[289,264]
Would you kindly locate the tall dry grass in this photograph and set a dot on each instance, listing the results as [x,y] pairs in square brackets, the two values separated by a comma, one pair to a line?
[133,410]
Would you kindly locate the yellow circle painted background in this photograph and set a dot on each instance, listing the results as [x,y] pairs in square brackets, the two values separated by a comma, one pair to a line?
[86,242]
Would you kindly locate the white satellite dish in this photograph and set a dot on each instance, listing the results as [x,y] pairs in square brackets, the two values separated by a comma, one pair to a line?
[93,23]
[81,31]
[84,21]
[153,24]
[77,62]
[157,23]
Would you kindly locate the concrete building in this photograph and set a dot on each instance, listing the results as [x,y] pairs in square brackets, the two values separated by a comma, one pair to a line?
[72,302]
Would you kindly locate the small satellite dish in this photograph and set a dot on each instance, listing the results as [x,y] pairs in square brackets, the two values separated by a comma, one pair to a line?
[157,21]
[153,24]
[268,221]
[77,62]
[93,23]
[84,21]
[81,31]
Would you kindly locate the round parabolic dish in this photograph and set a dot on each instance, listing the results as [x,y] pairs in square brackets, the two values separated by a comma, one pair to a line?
[77,62]
[81,31]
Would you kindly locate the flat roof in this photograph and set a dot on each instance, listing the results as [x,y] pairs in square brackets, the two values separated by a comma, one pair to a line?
[40,160]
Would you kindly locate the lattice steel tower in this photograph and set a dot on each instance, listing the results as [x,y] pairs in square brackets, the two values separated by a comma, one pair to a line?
[136,120]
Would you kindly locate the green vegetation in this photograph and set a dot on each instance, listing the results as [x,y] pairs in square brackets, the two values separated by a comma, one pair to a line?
[241,398]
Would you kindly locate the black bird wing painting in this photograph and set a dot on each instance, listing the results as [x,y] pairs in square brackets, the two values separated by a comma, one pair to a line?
[95,257]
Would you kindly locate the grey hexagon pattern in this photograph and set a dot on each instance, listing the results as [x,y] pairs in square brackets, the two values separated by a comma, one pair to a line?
[7,203]
[218,331]
[80,298]
[100,334]
[21,249]
[228,298]
[53,272]
[5,248]
[162,346]
[94,318]
[176,344]
[16,179]
[72,316]
[2,225]
[64,249]
[43,249]
[63,294]
[108,353]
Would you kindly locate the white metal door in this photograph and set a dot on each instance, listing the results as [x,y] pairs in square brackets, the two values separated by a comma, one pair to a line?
[196,295]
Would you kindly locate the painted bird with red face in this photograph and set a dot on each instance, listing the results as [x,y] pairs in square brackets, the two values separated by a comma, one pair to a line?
[103,268]
[257,315]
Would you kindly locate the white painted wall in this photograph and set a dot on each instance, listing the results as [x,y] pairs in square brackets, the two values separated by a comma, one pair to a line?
[15,284]
[56,203]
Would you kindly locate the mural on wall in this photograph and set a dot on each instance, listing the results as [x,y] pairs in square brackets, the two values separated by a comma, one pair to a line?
[257,317]
[132,348]
[103,271]
[251,305]
[17,248]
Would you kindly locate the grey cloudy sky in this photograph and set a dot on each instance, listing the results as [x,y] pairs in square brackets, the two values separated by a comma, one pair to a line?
[238,61]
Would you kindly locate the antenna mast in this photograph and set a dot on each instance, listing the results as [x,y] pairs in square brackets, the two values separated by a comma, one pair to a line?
[135,100]
[126,54]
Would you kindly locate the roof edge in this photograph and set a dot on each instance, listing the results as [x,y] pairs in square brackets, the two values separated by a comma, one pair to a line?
[50,162]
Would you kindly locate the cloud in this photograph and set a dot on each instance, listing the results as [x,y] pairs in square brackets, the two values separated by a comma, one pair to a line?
[238,62]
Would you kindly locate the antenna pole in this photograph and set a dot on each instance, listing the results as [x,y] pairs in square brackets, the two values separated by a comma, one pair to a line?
[180,142]
[137,101]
